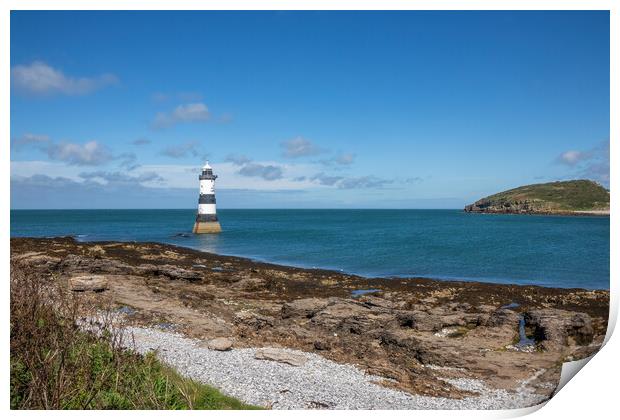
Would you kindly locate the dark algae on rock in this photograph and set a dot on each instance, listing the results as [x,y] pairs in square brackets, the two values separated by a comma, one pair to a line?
[420,335]
[562,197]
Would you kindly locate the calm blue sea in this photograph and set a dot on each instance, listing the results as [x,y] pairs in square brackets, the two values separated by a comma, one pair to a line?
[447,244]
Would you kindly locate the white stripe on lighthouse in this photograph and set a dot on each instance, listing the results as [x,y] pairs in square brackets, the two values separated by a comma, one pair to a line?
[207,186]
[206,208]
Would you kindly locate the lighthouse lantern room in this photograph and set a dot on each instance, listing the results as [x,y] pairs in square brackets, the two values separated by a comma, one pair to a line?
[206,219]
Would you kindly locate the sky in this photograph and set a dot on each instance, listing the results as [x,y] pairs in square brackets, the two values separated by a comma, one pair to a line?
[304,109]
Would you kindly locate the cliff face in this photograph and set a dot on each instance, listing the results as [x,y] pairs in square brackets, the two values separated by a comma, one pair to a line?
[566,197]
[486,205]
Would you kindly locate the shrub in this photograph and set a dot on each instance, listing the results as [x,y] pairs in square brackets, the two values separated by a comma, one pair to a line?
[57,365]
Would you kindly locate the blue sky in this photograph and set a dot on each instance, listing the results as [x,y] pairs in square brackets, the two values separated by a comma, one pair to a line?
[304,109]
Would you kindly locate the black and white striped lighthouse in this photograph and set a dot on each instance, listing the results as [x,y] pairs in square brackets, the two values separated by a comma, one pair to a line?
[206,219]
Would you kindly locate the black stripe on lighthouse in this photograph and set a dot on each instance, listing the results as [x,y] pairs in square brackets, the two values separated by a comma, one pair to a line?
[206,218]
[206,199]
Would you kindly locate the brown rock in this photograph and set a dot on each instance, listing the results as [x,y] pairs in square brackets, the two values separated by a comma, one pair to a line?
[557,328]
[366,323]
[250,284]
[321,344]
[486,309]
[146,269]
[178,273]
[220,344]
[281,356]
[253,320]
[503,317]
[426,350]
[38,260]
[339,310]
[88,282]
[418,320]
[374,301]
[399,339]
[170,271]
[79,263]
[303,308]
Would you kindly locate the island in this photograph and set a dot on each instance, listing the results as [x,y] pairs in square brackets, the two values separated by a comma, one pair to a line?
[577,197]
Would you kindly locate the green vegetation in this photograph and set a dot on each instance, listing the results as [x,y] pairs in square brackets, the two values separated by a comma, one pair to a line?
[561,196]
[56,365]
[566,195]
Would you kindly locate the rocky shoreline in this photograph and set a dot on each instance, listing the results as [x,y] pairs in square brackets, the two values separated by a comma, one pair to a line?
[418,337]
[526,210]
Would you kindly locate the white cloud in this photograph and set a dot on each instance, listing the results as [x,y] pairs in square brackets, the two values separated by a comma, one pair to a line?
[328,180]
[191,112]
[573,157]
[252,169]
[262,177]
[300,147]
[238,159]
[127,161]
[591,164]
[28,168]
[186,176]
[117,177]
[90,153]
[267,172]
[369,181]
[29,139]
[38,78]
[349,183]
[194,112]
[182,150]
[341,159]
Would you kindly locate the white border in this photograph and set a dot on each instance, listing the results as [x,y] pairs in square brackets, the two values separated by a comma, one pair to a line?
[592,395]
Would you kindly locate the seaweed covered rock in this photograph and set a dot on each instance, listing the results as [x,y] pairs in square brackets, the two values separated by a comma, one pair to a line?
[556,328]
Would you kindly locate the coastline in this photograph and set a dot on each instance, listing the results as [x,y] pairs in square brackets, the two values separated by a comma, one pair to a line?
[334,271]
[553,251]
[593,212]
[400,332]
[248,260]
[576,213]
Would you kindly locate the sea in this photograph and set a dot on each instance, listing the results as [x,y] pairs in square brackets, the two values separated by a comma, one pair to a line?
[554,251]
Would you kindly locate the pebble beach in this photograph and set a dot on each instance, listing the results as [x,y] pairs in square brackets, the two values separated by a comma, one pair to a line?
[318,383]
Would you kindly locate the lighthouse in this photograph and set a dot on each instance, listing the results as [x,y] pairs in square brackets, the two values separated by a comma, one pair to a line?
[206,219]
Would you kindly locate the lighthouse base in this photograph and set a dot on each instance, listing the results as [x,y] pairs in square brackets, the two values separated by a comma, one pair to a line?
[207,227]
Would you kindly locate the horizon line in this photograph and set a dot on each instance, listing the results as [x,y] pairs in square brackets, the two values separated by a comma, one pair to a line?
[241,208]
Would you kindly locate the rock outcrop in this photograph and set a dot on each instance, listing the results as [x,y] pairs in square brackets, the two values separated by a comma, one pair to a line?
[417,334]
[556,329]
[88,282]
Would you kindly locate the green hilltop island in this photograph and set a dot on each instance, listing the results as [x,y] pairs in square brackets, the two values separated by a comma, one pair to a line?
[578,197]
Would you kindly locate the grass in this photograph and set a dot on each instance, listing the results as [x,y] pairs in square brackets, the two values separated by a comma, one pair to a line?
[578,195]
[56,365]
